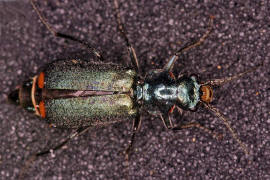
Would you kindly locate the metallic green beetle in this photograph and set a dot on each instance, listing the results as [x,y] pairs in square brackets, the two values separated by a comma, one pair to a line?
[81,94]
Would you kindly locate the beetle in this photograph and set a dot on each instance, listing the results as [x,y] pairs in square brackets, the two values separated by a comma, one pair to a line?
[81,94]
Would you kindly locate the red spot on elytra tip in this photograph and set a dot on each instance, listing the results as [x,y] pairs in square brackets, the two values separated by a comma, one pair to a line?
[41,79]
[42,109]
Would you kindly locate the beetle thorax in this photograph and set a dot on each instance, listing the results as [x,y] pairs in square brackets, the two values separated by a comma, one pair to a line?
[183,92]
[188,93]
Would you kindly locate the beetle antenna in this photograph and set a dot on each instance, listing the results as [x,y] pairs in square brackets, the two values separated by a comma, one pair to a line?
[226,122]
[220,82]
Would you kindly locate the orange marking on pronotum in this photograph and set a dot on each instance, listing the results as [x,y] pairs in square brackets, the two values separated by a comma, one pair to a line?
[172,108]
[42,109]
[41,78]
[171,75]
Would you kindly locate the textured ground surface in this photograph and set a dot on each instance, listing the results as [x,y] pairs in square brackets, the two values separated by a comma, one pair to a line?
[156,29]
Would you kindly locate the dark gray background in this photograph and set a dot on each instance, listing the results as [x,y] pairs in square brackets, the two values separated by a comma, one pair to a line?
[240,40]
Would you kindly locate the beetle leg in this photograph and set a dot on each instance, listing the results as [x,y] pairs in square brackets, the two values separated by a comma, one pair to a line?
[166,119]
[165,116]
[65,36]
[170,63]
[197,125]
[121,29]
[32,158]
[180,111]
[135,128]
[78,132]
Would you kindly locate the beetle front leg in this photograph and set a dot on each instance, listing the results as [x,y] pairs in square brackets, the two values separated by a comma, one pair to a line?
[121,28]
[166,119]
[169,66]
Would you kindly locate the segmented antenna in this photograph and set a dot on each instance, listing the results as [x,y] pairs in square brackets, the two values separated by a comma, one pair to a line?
[226,122]
[220,82]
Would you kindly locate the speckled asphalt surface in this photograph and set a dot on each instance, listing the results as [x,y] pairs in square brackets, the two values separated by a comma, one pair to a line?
[156,29]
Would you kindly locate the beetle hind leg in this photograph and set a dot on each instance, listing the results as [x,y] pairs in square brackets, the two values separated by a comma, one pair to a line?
[121,29]
[33,157]
[65,36]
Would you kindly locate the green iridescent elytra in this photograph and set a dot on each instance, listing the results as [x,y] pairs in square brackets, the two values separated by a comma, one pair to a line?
[89,111]
[109,98]
[85,75]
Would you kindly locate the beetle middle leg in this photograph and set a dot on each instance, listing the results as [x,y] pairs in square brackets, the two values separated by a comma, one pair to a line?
[169,66]
[65,36]
[135,127]
[121,28]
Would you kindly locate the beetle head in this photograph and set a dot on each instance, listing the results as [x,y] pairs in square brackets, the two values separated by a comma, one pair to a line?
[206,93]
